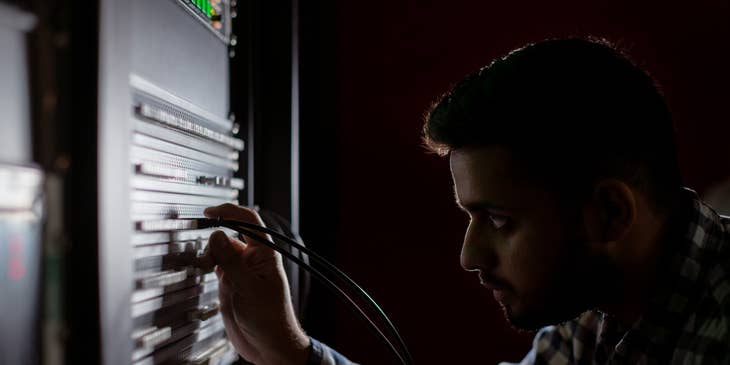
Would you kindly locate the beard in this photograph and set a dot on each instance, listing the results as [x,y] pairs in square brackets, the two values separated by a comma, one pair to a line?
[533,320]
[579,284]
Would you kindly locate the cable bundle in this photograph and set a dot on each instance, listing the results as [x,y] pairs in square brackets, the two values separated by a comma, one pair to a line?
[252,230]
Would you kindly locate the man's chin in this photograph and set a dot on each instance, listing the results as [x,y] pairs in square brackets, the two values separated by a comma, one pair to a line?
[520,323]
[530,321]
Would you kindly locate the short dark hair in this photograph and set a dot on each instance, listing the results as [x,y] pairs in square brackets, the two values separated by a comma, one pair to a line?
[575,110]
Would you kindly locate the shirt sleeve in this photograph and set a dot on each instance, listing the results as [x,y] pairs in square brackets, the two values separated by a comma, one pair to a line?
[321,354]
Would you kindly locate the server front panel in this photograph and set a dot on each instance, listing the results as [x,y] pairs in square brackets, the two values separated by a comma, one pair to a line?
[182,160]
[180,154]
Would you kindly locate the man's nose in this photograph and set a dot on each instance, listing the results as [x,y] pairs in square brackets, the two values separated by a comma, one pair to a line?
[477,251]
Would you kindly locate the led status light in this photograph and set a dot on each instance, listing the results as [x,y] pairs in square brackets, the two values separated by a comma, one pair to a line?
[210,12]
[208,7]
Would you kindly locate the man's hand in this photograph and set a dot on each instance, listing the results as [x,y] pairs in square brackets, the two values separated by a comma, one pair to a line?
[254,294]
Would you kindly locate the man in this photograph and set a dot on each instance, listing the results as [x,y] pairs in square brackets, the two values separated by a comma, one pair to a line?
[562,153]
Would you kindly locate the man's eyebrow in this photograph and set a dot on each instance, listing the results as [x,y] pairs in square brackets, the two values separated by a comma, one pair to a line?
[477,205]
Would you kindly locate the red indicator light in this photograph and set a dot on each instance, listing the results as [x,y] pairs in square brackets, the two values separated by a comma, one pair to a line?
[16,262]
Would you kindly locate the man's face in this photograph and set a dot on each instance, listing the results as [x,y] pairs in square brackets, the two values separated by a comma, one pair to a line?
[531,257]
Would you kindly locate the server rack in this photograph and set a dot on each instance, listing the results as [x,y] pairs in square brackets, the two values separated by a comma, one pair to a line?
[21,198]
[165,151]
[157,142]
[131,117]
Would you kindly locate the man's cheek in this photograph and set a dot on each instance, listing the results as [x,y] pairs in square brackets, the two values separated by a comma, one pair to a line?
[533,259]
[538,272]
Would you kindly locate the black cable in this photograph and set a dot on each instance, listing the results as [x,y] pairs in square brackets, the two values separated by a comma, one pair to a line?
[331,285]
[337,272]
[331,268]
[328,283]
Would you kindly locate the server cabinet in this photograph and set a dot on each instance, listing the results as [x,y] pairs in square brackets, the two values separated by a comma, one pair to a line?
[15,123]
[21,199]
[21,213]
[166,149]
[135,124]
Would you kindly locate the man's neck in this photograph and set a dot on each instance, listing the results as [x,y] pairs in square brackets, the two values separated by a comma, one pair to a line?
[642,270]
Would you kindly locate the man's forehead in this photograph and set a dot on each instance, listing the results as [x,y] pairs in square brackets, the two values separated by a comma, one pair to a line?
[474,164]
[486,176]
[475,171]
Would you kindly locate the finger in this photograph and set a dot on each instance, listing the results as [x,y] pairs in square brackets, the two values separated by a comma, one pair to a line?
[225,252]
[232,258]
[205,261]
[234,212]
[225,304]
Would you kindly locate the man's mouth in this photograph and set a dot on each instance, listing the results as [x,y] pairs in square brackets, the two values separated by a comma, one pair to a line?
[492,283]
[498,287]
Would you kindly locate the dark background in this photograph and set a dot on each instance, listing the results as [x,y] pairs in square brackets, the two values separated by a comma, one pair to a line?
[383,209]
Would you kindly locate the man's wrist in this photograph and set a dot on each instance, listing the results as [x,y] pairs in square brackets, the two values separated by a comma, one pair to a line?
[295,352]
[302,351]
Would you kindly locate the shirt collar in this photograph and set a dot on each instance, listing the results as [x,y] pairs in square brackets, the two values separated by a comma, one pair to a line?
[653,335]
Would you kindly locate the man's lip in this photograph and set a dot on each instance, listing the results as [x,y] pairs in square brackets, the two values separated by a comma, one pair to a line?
[492,283]
[492,286]
[499,295]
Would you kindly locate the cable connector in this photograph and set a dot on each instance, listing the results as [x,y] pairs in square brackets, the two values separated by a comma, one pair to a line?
[202,223]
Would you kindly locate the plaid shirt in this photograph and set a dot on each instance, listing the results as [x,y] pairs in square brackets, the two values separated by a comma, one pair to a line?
[687,323]
[689,316]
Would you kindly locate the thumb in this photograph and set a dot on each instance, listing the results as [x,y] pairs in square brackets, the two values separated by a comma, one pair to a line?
[225,252]
[234,212]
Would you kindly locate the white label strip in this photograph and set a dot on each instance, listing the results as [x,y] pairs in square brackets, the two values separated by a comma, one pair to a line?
[145,183]
[177,121]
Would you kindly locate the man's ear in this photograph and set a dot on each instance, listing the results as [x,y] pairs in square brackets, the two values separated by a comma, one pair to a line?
[611,211]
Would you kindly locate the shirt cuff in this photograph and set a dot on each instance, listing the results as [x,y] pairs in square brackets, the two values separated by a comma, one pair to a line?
[320,354]
[316,352]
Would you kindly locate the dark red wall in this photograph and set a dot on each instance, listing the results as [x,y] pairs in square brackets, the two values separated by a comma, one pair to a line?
[399,232]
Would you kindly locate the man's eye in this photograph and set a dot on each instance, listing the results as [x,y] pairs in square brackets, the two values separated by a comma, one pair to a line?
[498,221]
